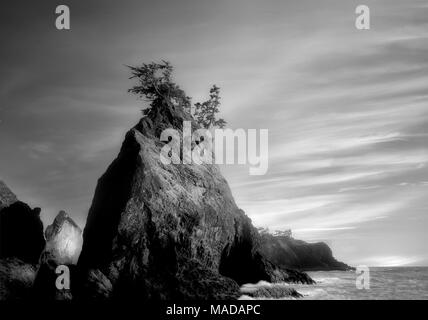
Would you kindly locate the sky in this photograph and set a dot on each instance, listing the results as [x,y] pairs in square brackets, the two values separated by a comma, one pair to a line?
[346,109]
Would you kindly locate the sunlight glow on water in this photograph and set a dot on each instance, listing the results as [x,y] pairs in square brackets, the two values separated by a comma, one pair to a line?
[386,283]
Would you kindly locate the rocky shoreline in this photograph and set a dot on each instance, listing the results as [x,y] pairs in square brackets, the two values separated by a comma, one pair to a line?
[153,232]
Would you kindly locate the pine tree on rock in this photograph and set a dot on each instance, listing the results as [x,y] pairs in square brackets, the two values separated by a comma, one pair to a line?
[206,112]
[155,85]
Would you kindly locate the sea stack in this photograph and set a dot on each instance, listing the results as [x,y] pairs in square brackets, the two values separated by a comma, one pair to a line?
[63,246]
[157,231]
[63,240]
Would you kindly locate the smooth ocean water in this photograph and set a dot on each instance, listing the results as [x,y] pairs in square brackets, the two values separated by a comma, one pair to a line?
[386,283]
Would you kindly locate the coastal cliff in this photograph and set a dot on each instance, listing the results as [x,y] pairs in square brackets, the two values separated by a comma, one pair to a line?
[287,252]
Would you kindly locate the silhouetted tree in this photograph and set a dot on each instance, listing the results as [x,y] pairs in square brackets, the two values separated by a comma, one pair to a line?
[206,112]
[155,85]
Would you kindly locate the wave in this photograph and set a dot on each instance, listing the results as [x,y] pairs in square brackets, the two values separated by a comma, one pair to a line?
[327,280]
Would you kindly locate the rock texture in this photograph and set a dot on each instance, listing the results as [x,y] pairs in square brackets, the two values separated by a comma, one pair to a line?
[63,246]
[288,252]
[63,240]
[159,231]
[7,197]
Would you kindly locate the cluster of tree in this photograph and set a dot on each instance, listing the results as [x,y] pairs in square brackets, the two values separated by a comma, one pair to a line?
[276,233]
[156,86]
[282,233]
[263,230]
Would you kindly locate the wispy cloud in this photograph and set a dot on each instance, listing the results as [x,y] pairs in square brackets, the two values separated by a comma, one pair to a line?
[35,150]
[350,119]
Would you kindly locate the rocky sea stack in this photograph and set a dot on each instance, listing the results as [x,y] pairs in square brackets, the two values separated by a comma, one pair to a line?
[63,240]
[63,246]
[157,231]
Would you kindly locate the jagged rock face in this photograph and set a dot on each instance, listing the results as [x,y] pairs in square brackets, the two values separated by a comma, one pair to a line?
[21,233]
[169,231]
[63,240]
[7,197]
[63,246]
[288,252]
[95,285]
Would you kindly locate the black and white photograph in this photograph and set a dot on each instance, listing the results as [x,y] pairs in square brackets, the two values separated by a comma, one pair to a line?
[213,158]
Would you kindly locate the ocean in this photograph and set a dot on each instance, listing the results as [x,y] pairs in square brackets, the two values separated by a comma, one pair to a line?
[386,283]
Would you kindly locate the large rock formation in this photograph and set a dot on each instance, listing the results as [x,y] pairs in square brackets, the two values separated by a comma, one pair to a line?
[157,231]
[288,252]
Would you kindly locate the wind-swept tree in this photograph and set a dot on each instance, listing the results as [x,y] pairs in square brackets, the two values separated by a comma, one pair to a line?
[206,112]
[155,85]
